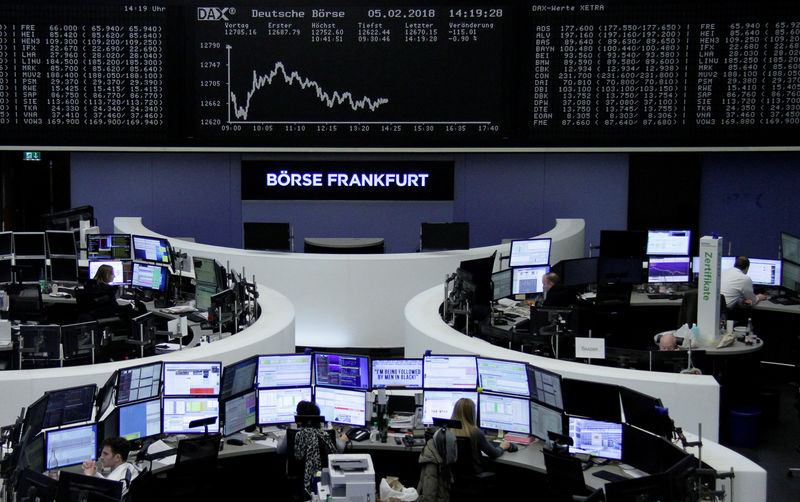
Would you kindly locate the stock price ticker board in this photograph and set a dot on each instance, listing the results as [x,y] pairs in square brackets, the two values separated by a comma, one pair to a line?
[471,75]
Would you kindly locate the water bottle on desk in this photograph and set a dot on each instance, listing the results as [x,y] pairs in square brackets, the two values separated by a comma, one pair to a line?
[750,337]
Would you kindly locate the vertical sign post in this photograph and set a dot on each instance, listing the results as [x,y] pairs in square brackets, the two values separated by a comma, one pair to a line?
[708,290]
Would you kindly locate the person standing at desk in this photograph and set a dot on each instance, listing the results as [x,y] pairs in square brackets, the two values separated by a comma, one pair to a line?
[737,287]
[114,456]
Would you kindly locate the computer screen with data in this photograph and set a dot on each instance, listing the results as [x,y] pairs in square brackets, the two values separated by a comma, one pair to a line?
[342,370]
[440,403]
[669,242]
[529,252]
[545,387]
[149,276]
[509,414]
[152,249]
[450,372]
[342,406]
[501,284]
[140,420]
[138,383]
[790,247]
[668,269]
[284,370]
[69,406]
[191,379]
[239,413]
[504,377]
[528,280]
[179,412]
[765,272]
[403,373]
[122,270]
[595,438]
[70,446]
[545,419]
[202,296]
[108,247]
[238,377]
[278,406]
[726,262]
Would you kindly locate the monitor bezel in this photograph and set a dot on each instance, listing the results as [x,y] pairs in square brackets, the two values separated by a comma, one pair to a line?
[311,379]
[141,403]
[683,259]
[389,387]
[164,392]
[231,367]
[316,376]
[521,399]
[345,389]
[573,450]
[91,407]
[267,389]
[778,263]
[533,403]
[160,240]
[793,237]
[539,286]
[471,392]
[92,425]
[511,252]
[499,392]
[685,252]
[66,233]
[213,428]
[223,411]
[14,246]
[466,389]
[165,272]
[139,366]
[100,258]
[530,368]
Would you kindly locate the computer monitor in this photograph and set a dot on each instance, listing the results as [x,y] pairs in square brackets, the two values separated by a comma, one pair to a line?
[790,247]
[668,242]
[153,249]
[73,486]
[108,247]
[790,276]
[60,243]
[765,272]
[577,272]
[619,270]
[668,269]
[545,419]
[192,378]
[105,394]
[179,412]
[202,296]
[278,406]
[529,252]
[501,284]
[342,406]
[440,403]
[726,262]
[590,399]
[32,454]
[69,406]
[30,270]
[239,413]
[478,271]
[29,244]
[205,270]
[70,446]
[284,370]
[450,372]
[342,370]
[442,236]
[63,270]
[33,485]
[34,417]
[149,276]
[595,438]
[645,412]
[108,427]
[238,377]
[138,383]
[528,280]
[122,271]
[506,413]
[140,420]
[545,387]
[398,373]
[6,276]
[504,377]
[623,244]
[6,246]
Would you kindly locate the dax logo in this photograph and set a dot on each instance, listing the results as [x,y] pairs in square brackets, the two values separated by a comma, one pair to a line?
[214,13]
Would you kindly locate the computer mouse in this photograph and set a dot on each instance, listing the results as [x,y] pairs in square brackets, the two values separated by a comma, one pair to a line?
[512,448]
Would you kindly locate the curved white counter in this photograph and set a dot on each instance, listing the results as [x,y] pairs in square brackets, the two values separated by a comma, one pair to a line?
[272,333]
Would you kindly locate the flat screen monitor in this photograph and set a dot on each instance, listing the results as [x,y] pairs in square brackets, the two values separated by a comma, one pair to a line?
[504,377]
[342,406]
[6,276]
[238,377]
[239,413]
[725,263]
[278,406]
[529,252]
[506,413]
[668,269]
[69,406]
[32,455]
[668,242]
[140,420]
[578,272]
[138,383]
[545,419]
[108,247]
[545,387]
[620,270]
[501,284]
[342,370]
[589,399]
[70,446]
[64,269]
[284,370]
[645,412]
[790,276]
[192,379]
[30,270]
[149,276]
[108,427]
[202,296]
[60,243]
[34,417]
[153,249]
[402,373]
[105,395]
[595,438]
[442,236]
[205,270]
[790,247]
[179,412]
[623,244]
[765,272]
[122,271]
[528,280]
[440,403]
[35,485]
[6,247]
[73,486]
[479,272]
[450,372]
[29,244]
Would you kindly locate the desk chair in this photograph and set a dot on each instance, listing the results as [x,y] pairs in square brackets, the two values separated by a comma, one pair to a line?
[25,303]
[40,346]
[79,341]
[564,477]
[195,474]
[688,311]
[470,481]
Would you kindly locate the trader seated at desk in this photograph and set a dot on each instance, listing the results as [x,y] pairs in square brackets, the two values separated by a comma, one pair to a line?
[464,411]
[98,299]
[737,286]
[555,294]
[113,456]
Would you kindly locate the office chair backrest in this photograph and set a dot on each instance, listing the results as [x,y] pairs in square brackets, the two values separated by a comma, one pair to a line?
[466,463]
[202,449]
[688,311]
[294,467]
[25,304]
[564,474]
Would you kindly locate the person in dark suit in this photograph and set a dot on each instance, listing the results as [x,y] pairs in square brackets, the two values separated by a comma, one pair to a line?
[555,294]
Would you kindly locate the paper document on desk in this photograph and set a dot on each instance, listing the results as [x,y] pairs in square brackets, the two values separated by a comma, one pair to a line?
[402,421]
[168,460]
[179,309]
[158,447]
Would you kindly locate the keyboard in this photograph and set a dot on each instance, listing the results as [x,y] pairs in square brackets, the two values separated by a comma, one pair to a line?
[782,300]
[608,476]
[664,296]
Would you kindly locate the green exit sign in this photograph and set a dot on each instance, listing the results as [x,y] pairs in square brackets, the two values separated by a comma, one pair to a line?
[32,156]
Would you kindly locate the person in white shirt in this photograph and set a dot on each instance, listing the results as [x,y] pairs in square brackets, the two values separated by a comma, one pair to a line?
[737,286]
[113,457]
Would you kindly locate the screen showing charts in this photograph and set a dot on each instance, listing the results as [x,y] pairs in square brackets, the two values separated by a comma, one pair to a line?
[179,412]
[149,276]
[505,377]
[340,370]
[238,377]
[545,387]
[188,379]
[544,420]
[342,406]
[510,414]
[151,249]
[287,370]
[239,413]
[70,446]
[138,383]
[668,242]
[397,373]
[596,438]
[668,269]
[450,372]
[440,403]
[140,420]
[765,272]
[529,252]
[108,246]
[528,280]
[501,284]
[278,406]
